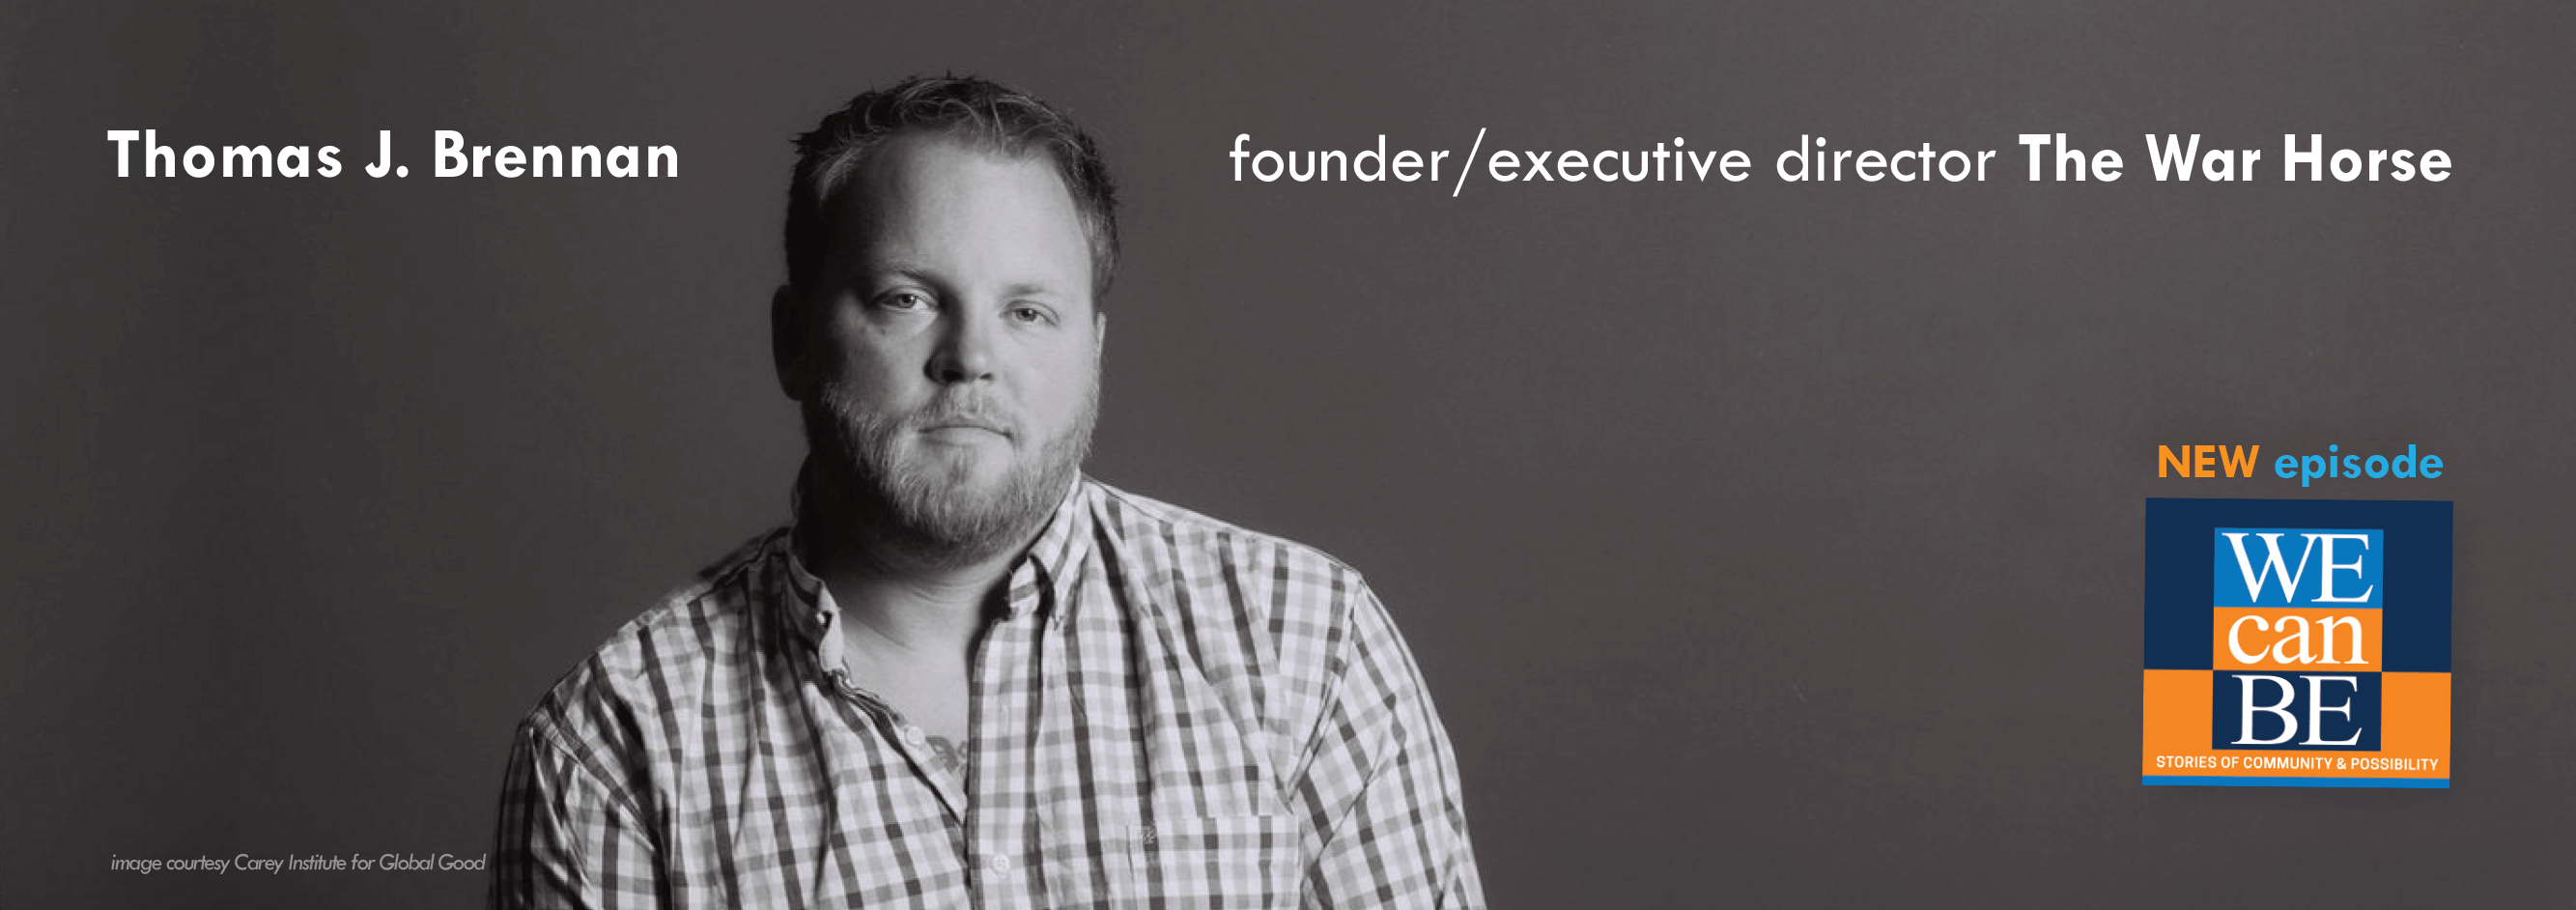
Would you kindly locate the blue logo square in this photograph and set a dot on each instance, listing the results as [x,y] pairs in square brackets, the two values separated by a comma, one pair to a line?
[2296,567]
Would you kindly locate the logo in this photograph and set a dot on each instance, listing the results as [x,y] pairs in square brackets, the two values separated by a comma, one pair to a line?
[2298,643]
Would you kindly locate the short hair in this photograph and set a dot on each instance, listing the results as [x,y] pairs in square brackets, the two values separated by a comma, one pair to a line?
[986,114]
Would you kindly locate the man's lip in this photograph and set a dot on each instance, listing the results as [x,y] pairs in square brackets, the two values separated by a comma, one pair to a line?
[993,428]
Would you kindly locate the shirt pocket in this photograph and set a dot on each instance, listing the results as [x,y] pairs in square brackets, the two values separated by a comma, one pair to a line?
[1250,862]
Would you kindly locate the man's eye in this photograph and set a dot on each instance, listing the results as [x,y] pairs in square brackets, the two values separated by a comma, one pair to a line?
[905,301]
[1031,314]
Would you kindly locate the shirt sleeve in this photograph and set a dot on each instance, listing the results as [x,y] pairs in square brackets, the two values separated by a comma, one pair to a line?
[1384,784]
[565,840]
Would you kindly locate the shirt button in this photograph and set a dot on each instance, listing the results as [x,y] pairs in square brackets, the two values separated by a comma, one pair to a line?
[912,736]
[998,864]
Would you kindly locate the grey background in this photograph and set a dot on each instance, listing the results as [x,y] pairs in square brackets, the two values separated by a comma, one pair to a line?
[1764,543]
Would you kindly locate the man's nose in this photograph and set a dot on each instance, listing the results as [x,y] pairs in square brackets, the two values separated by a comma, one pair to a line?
[965,351]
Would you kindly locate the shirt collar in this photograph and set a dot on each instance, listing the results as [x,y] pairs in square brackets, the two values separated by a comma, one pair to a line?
[1045,577]
[1042,579]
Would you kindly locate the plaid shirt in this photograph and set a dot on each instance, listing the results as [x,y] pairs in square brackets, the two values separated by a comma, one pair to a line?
[1169,711]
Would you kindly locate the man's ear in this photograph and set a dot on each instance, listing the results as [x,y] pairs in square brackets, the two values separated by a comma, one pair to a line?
[787,341]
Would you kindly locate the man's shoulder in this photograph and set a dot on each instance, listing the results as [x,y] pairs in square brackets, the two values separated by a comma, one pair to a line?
[1173,538]
[1222,579]
[1283,631]
[654,666]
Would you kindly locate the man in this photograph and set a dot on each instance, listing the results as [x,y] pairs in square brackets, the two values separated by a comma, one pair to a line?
[967,676]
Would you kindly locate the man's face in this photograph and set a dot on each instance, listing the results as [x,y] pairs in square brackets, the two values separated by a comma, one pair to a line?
[947,357]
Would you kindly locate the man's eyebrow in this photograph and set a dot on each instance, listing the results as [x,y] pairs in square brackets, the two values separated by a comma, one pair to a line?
[878,268]
[1028,289]
[873,269]
[886,265]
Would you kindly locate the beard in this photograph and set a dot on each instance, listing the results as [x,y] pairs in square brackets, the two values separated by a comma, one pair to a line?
[930,504]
